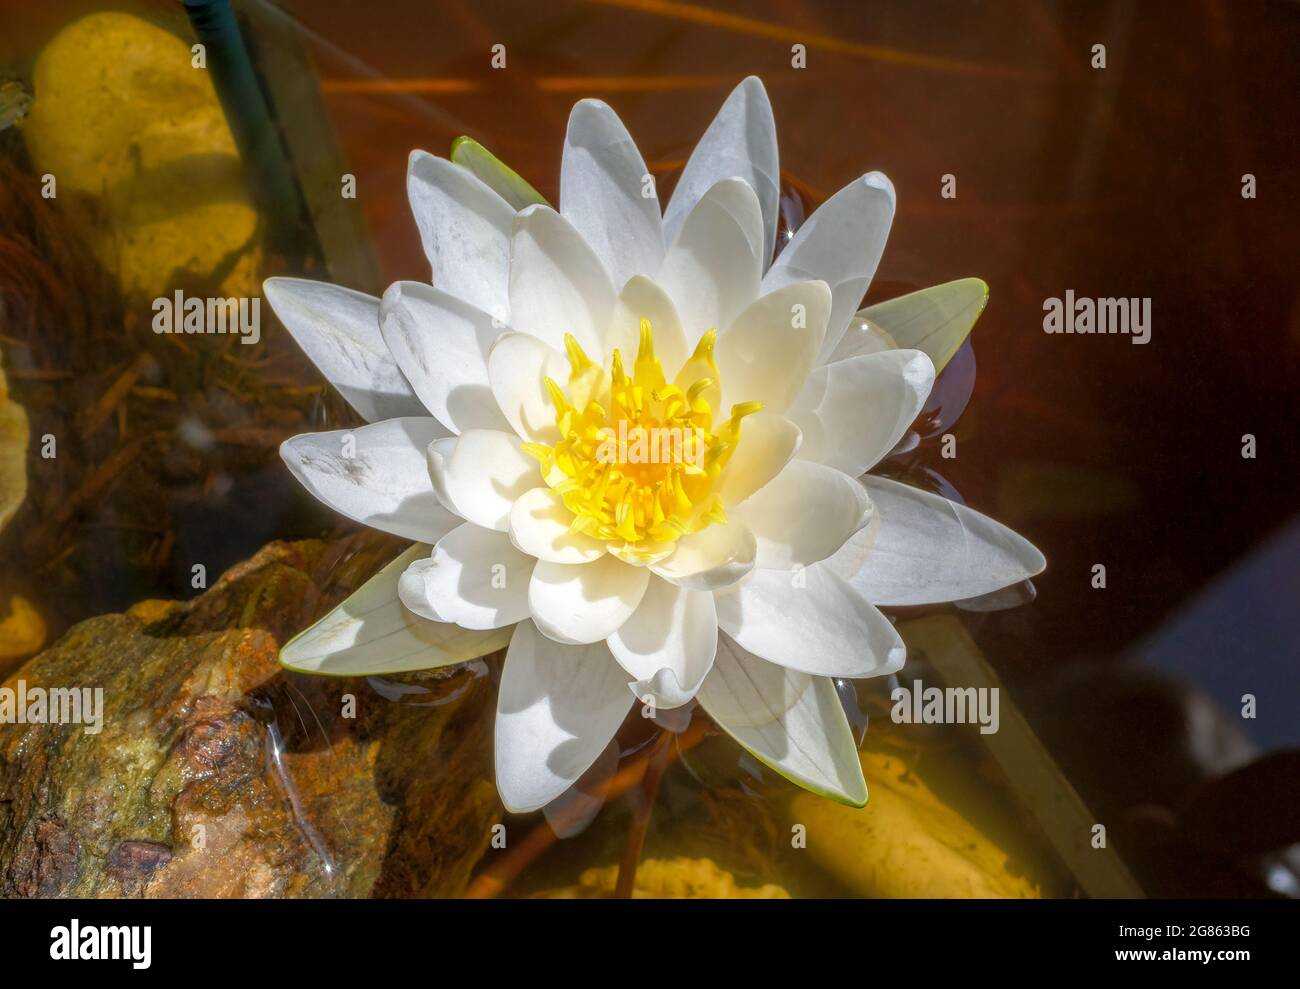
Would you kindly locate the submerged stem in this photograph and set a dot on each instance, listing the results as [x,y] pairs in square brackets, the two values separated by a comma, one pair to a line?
[494,880]
[657,763]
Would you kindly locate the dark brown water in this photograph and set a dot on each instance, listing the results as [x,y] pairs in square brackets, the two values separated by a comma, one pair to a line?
[1122,181]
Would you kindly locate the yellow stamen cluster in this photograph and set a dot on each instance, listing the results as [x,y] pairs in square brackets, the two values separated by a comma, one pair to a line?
[638,458]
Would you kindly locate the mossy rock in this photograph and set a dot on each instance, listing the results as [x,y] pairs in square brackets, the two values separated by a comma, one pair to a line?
[217,774]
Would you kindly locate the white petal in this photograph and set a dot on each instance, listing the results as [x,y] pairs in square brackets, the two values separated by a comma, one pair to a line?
[840,244]
[441,345]
[790,721]
[768,351]
[372,633]
[586,602]
[482,475]
[717,556]
[557,709]
[805,515]
[767,443]
[438,455]
[930,550]
[375,475]
[668,644]
[474,577]
[936,320]
[518,366]
[557,283]
[713,268]
[855,411]
[539,526]
[740,141]
[602,184]
[641,299]
[339,330]
[810,620]
[465,227]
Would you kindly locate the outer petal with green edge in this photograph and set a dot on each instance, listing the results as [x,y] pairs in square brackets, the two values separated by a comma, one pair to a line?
[339,330]
[373,633]
[925,549]
[790,721]
[936,320]
[494,173]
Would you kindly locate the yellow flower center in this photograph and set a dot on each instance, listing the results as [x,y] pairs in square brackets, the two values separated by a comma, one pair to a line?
[638,458]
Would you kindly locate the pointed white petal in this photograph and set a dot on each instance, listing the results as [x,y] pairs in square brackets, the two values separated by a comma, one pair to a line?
[558,707]
[768,351]
[518,366]
[741,141]
[557,283]
[667,645]
[841,245]
[441,345]
[804,515]
[641,299]
[929,550]
[465,227]
[713,268]
[936,320]
[603,186]
[810,620]
[372,633]
[539,526]
[715,557]
[790,721]
[374,474]
[855,411]
[474,577]
[482,475]
[767,443]
[585,602]
[339,330]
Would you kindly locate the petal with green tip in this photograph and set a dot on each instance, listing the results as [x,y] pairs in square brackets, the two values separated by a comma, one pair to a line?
[936,320]
[494,173]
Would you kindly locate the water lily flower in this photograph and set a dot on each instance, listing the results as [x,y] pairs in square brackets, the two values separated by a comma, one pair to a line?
[740,565]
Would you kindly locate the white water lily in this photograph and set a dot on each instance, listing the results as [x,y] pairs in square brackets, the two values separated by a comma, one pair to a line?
[742,568]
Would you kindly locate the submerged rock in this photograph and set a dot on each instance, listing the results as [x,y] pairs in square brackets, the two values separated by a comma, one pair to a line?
[134,135]
[217,774]
[906,842]
[22,630]
[13,453]
[667,879]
